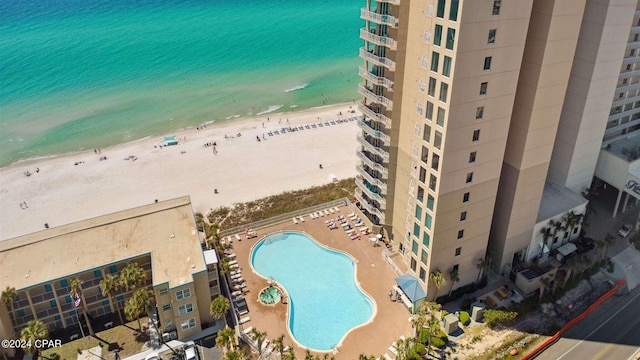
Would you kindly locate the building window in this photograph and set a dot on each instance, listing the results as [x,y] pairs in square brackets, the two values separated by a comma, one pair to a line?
[423,275]
[479,112]
[620,95]
[465,197]
[64,283]
[483,88]
[458,251]
[426,239]
[476,135]
[20,312]
[423,175]
[460,234]
[435,57]
[418,213]
[167,324]
[432,87]
[420,194]
[496,7]
[163,291]
[113,269]
[453,10]
[426,135]
[166,307]
[437,35]
[47,288]
[414,247]
[67,298]
[413,264]
[105,302]
[463,216]
[469,177]
[425,155]
[52,303]
[440,9]
[429,113]
[635,37]
[440,118]
[185,309]
[446,66]
[492,36]
[456,267]
[451,37]
[427,221]
[487,63]
[437,140]
[444,91]
[430,201]
[424,257]
[433,182]
[435,161]
[472,157]
[188,324]
[97,273]
[183,294]
[416,229]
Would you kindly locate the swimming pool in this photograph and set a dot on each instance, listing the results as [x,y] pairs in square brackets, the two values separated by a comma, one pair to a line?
[324,301]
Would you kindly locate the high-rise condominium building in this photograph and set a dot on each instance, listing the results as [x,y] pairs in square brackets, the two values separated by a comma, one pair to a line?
[461,103]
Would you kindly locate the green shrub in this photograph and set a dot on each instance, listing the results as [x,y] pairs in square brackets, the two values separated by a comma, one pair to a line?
[498,317]
[465,319]
[440,341]
[443,313]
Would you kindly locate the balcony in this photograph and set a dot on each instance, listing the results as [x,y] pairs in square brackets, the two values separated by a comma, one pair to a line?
[378,40]
[373,149]
[619,127]
[378,60]
[364,125]
[382,19]
[372,180]
[372,164]
[365,205]
[373,114]
[397,2]
[367,93]
[370,191]
[630,60]
[620,115]
[377,80]
[628,87]
[633,45]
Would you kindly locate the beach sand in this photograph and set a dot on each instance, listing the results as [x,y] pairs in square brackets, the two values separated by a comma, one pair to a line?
[77,186]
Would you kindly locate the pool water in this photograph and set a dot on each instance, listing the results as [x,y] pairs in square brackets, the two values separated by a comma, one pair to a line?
[324,300]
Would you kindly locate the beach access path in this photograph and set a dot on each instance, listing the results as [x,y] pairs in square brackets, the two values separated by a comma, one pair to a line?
[72,187]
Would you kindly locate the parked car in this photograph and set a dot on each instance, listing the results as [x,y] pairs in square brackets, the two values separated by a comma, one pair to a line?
[625,230]
[191,352]
[585,244]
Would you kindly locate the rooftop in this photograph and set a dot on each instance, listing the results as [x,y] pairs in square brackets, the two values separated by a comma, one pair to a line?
[627,148]
[557,200]
[165,230]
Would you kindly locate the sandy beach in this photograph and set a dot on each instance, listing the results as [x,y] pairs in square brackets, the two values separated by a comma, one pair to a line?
[77,186]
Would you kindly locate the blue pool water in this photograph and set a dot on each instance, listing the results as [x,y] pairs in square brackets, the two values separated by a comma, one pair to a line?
[325,302]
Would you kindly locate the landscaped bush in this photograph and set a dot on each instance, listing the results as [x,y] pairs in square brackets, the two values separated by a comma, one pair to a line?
[498,317]
[417,352]
[443,313]
[465,319]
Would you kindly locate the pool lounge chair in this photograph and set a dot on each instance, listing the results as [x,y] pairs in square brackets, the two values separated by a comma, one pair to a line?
[337,209]
[387,357]
[245,319]
[392,348]
[294,220]
[326,212]
[234,267]
[247,330]
[350,232]
[301,218]
[237,281]
[236,293]
[352,214]
[236,276]
[240,286]
[321,213]
[312,216]
[244,311]
[238,237]
[332,211]
[355,236]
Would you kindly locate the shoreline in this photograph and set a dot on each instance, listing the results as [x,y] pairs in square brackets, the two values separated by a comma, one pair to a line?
[74,186]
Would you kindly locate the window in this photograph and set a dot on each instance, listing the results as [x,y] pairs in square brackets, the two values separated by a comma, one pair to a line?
[453,10]
[167,324]
[164,291]
[416,229]
[444,90]
[413,264]
[437,35]
[479,112]
[64,283]
[427,221]
[433,182]
[418,213]
[166,307]
[67,298]
[423,275]
[460,234]
[635,37]
[424,257]
[113,269]
[435,57]
[185,309]
[414,247]
[456,267]
[429,113]
[465,197]
[463,216]
[440,119]
[472,157]
[52,303]
[97,273]
[437,140]
[451,37]
[620,95]
[458,251]
[183,294]
[435,161]
[469,177]
[426,135]
[47,288]
[426,239]
[188,324]
[496,7]
[446,66]
[492,36]
[430,201]
[476,135]
[432,87]
[487,63]
[483,88]
[105,302]
[440,9]
[425,155]
[420,194]
[423,175]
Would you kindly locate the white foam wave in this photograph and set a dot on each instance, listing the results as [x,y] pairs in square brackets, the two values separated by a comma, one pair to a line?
[271,108]
[298,87]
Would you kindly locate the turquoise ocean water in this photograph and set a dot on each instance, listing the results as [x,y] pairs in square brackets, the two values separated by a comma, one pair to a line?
[80,74]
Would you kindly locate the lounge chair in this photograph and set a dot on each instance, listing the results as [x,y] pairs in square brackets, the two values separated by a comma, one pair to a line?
[294,220]
[301,218]
[236,276]
[236,293]
[243,312]
[387,357]
[240,286]
[352,214]
[238,237]
[247,330]
[350,231]
[234,267]
[233,262]
[332,211]
[355,236]
[312,216]
[337,209]
[321,213]
[236,281]
[326,212]
[245,319]
[392,348]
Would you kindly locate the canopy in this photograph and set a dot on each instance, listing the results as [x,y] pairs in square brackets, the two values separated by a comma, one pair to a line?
[567,249]
[411,287]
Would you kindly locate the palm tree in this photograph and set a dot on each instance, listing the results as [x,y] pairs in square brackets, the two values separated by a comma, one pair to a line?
[365,357]
[289,355]
[110,286]
[258,337]
[138,305]
[76,293]
[132,277]
[219,307]
[402,349]
[455,277]
[546,284]
[232,355]
[308,355]
[572,220]
[546,235]
[226,339]
[278,344]
[438,280]
[481,265]
[609,240]
[9,295]
[35,330]
[417,322]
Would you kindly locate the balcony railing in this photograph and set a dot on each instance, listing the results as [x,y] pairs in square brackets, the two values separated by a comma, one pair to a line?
[382,19]
[372,164]
[373,115]
[628,87]
[396,2]
[380,99]
[378,40]
[630,60]
[363,203]
[372,180]
[377,80]
[371,193]
[375,133]
[633,45]
[620,115]
[378,60]
[376,150]
[619,127]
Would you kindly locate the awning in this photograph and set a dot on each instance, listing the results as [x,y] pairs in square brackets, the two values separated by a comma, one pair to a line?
[210,257]
[567,249]
[411,287]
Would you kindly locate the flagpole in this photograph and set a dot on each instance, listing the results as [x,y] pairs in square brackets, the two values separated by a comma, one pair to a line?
[79,323]
[76,303]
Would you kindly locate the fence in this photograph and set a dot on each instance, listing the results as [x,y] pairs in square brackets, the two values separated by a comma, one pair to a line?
[386,255]
[285,217]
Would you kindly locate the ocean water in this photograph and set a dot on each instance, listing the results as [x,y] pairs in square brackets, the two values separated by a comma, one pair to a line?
[80,74]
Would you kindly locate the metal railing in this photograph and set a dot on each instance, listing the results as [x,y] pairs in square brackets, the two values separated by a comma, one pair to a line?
[377,39]
[378,60]
[373,115]
[372,164]
[364,125]
[383,19]
[386,255]
[378,80]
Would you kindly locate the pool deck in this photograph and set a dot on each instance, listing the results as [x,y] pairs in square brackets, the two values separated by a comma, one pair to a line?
[374,275]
